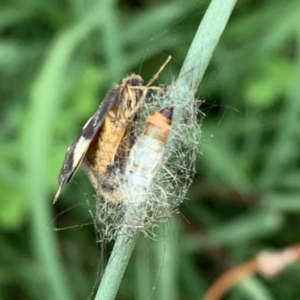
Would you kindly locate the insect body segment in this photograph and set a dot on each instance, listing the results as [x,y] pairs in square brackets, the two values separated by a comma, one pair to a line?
[147,154]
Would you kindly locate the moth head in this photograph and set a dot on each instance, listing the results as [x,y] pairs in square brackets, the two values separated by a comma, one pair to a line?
[136,80]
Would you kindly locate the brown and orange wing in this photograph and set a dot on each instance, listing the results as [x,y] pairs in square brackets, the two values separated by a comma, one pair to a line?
[78,149]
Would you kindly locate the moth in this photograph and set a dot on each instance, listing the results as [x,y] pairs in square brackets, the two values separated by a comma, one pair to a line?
[107,133]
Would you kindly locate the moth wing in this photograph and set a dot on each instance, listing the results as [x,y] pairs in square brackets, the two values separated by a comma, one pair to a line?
[78,149]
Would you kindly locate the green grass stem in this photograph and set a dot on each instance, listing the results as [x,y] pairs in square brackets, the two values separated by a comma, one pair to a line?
[206,39]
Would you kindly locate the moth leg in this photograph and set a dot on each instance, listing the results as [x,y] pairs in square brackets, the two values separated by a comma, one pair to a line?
[136,104]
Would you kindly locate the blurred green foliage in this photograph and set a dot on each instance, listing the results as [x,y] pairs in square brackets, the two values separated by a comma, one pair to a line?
[57,61]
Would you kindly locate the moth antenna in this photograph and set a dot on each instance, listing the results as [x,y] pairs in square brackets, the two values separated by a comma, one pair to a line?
[159,71]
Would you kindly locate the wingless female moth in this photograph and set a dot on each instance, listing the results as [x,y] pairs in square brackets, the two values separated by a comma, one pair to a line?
[140,171]
[108,133]
[136,186]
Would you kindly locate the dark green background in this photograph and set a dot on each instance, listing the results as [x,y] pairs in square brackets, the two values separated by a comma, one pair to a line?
[58,59]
